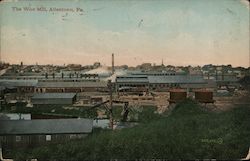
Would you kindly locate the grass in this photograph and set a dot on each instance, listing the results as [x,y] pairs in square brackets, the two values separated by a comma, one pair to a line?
[189,132]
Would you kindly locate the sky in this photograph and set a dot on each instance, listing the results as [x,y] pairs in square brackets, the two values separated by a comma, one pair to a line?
[179,32]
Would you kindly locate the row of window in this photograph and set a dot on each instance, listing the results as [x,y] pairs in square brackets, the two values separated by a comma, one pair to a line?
[49,137]
[133,85]
[152,85]
[165,85]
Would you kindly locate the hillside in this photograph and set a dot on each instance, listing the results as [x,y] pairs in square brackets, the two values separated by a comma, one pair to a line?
[189,132]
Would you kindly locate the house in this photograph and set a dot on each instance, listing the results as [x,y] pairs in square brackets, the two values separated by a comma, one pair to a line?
[33,133]
[53,98]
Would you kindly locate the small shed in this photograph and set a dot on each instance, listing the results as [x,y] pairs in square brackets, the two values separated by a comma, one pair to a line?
[34,133]
[53,98]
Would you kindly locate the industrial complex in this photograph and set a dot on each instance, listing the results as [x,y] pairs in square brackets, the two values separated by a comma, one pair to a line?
[34,98]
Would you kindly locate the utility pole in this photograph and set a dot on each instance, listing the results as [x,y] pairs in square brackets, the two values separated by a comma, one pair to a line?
[249,67]
[113,64]
[110,104]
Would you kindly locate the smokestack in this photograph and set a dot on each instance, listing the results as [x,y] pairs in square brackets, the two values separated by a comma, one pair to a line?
[113,68]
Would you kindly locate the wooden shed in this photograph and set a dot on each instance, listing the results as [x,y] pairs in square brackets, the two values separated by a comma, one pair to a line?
[33,133]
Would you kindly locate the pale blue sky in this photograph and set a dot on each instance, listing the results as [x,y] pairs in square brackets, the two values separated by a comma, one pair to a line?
[181,32]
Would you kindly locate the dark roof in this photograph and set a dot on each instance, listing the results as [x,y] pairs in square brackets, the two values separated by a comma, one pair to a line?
[46,126]
[18,83]
[53,95]
[72,84]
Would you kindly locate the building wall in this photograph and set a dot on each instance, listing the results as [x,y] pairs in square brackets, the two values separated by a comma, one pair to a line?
[69,89]
[162,87]
[26,89]
[50,116]
[30,141]
[53,101]
[151,86]
[72,90]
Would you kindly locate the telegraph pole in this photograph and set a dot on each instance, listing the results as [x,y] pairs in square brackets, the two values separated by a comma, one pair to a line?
[113,64]
[110,104]
[249,60]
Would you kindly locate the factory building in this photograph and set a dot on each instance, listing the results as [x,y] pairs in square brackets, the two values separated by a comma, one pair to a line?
[153,73]
[65,76]
[31,86]
[20,86]
[161,82]
[34,133]
[131,82]
[176,81]
[53,98]
[68,87]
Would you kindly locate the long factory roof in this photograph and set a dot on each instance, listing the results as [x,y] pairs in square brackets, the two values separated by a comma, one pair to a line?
[161,79]
[72,84]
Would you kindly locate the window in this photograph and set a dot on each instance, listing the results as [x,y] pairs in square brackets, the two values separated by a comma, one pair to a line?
[48,137]
[73,136]
[4,138]
[18,138]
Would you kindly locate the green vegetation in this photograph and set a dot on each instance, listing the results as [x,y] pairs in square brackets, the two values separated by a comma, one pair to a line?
[84,112]
[189,132]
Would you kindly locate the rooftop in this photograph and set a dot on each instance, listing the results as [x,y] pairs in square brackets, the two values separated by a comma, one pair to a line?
[15,116]
[176,79]
[48,126]
[18,83]
[154,79]
[72,84]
